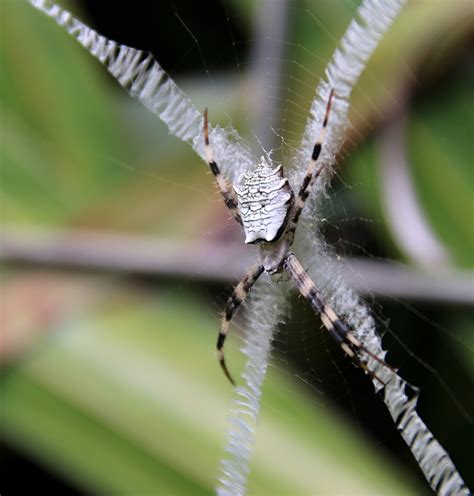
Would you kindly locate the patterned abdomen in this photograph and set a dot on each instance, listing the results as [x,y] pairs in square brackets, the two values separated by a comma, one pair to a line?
[265,200]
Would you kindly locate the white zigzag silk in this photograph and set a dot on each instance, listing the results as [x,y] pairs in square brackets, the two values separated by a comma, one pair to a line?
[143,77]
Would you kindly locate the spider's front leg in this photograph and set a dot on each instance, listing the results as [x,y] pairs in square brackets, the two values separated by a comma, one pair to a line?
[228,195]
[312,172]
[335,326]
[237,297]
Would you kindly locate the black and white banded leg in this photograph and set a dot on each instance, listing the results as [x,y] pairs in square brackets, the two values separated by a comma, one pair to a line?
[338,329]
[228,195]
[312,172]
[233,303]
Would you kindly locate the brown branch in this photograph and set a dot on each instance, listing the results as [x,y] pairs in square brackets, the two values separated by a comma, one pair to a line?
[212,262]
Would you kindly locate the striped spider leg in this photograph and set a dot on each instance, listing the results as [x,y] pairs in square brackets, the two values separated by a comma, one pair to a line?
[312,172]
[233,303]
[338,329]
[228,195]
[266,207]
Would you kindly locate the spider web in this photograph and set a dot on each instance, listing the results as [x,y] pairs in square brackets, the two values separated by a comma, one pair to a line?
[185,122]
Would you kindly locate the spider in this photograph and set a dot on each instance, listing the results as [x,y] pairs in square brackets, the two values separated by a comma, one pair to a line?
[266,207]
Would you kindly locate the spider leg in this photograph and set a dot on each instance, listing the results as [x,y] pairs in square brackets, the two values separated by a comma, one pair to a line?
[312,172]
[228,195]
[233,303]
[339,330]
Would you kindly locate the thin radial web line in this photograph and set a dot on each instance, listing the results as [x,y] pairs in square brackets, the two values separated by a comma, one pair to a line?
[349,60]
[144,79]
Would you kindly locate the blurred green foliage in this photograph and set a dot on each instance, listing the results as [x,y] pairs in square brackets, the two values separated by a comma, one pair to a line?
[119,392]
[125,398]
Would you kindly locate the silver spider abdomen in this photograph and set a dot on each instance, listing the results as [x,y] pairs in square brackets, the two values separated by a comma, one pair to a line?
[264,200]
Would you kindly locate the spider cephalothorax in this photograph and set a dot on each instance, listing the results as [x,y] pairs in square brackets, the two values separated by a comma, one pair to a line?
[265,205]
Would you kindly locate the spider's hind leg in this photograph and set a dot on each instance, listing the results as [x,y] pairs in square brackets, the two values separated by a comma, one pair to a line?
[349,343]
[240,292]
[338,329]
